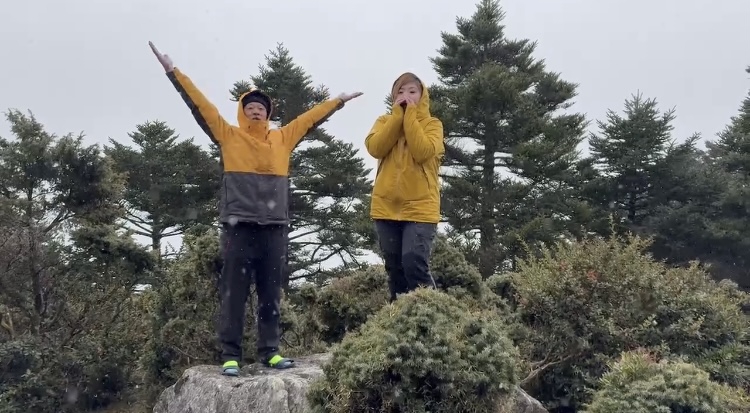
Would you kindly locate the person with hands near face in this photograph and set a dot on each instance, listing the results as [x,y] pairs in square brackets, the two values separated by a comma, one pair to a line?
[408,144]
[253,207]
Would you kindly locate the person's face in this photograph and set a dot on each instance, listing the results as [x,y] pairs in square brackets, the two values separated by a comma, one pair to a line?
[410,90]
[255,111]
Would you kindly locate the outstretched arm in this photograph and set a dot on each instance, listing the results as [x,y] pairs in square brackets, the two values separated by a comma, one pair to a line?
[423,143]
[294,131]
[204,112]
[384,134]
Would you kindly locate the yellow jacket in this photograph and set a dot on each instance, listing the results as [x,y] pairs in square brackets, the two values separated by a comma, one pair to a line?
[255,183]
[408,145]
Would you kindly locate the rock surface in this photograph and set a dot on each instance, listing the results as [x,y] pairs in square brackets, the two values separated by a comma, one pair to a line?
[202,389]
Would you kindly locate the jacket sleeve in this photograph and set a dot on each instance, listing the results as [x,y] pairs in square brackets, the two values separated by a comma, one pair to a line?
[423,143]
[383,135]
[295,130]
[204,112]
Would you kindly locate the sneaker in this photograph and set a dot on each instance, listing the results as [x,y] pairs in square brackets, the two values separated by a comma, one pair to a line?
[278,362]
[231,368]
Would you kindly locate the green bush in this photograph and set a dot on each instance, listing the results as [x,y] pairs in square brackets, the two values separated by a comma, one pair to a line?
[638,384]
[454,274]
[427,352]
[91,372]
[301,327]
[587,302]
[181,312]
[347,302]
[78,351]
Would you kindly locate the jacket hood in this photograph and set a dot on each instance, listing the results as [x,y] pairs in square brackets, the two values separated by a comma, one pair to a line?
[423,106]
[244,122]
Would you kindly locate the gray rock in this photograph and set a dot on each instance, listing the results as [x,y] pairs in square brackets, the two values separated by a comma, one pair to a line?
[522,403]
[202,389]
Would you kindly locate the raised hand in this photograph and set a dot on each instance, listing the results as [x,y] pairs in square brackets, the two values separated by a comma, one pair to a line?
[165,60]
[345,97]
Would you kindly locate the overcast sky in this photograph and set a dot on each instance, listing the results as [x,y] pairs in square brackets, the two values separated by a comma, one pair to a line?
[84,65]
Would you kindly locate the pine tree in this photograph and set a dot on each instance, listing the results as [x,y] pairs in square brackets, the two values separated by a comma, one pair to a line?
[731,233]
[732,150]
[51,187]
[511,157]
[66,273]
[171,185]
[655,186]
[328,180]
[628,151]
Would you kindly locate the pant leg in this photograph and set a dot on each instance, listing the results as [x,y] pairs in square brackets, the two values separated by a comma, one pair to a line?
[390,234]
[219,261]
[269,277]
[234,284]
[416,249]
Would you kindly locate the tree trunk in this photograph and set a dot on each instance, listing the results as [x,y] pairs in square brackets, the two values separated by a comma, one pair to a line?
[487,236]
[156,236]
[34,270]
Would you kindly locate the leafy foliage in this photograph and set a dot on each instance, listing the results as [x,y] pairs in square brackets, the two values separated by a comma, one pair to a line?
[511,149]
[528,294]
[163,196]
[637,383]
[425,352]
[585,303]
[181,312]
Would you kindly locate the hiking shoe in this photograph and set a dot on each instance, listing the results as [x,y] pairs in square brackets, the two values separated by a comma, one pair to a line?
[278,362]
[231,368]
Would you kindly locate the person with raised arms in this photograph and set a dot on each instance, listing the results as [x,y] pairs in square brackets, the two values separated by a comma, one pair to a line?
[254,208]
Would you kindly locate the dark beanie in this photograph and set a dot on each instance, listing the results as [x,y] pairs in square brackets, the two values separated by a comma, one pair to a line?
[257,97]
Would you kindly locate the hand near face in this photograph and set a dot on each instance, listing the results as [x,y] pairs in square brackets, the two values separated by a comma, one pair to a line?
[410,100]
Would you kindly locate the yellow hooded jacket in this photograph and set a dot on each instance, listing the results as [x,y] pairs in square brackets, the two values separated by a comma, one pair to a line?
[255,184]
[408,145]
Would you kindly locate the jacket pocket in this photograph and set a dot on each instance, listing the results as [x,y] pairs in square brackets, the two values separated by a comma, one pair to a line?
[430,185]
[415,185]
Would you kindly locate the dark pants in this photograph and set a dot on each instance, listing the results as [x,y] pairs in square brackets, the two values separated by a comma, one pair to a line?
[406,248]
[251,250]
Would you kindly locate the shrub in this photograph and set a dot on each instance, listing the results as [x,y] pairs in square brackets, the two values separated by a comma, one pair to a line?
[181,312]
[347,302]
[91,372]
[587,302]
[453,274]
[638,384]
[301,327]
[425,352]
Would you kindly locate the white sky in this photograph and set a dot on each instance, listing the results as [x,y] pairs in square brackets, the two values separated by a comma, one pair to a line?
[84,65]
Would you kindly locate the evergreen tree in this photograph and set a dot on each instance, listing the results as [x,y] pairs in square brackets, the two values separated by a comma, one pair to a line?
[46,180]
[731,234]
[512,163]
[328,180]
[655,186]
[732,150]
[66,273]
[628,152]
[48,184]
[171,185]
